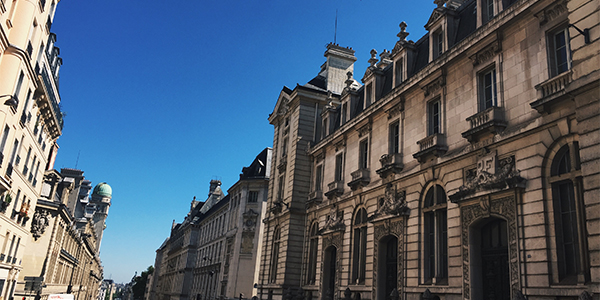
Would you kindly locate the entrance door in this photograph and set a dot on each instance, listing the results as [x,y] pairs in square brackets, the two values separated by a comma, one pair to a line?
[329,273]
[494,261]
[388,267]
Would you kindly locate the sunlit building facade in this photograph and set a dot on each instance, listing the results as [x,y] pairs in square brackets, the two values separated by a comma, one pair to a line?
[30,124]
[465,166]
[63,256]
[213,253]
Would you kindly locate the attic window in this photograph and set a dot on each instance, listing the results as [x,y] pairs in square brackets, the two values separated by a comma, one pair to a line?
[487,10]
[438,43]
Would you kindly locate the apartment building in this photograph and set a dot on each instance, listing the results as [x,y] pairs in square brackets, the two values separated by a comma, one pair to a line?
[463,166]
[30,123]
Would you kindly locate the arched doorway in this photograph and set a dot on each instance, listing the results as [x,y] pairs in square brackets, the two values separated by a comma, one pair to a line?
[490,266]
[388,267]
[329,273]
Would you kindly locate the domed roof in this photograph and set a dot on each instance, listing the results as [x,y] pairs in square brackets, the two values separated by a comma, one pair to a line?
[103,189]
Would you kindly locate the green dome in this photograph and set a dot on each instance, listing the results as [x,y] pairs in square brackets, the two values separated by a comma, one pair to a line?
[103,189]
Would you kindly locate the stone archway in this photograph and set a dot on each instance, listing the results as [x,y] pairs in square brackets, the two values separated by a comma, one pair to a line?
[332,265]
[384,231]
[473,215]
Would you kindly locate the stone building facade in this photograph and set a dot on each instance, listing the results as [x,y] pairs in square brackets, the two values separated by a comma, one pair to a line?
[212,253]
[63,256]
[464,167]
[30,123]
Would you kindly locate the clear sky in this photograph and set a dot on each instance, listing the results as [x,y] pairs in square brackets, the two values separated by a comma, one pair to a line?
[163,96]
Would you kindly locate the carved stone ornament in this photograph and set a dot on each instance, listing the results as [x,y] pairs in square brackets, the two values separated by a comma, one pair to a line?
[434,85]
[486,53]
[284,108]
[392,204]
[552,11]
[384,228]
[39,223]
[364,130]
[250,218]
[339,145]
[396,109]
[491,174]
[334,222]
[506,209]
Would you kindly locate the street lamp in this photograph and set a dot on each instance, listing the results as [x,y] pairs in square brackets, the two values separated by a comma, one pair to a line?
[11,101]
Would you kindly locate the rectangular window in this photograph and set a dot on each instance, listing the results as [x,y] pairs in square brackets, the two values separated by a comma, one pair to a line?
[4,138]
[439,40]
[281,187]
[325,128]
[253,196]
[434,114]
[368,95]
[344,113]
[339,167]
[364,154]
[560,52]
[19,84]
[488,91]
[395,137]
[25,169]
[284,146]
[399,67]
[318,177]
[487,9]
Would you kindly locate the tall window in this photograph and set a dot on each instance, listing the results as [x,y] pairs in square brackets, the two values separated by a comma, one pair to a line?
[359,248]
[19,84]
[364,154]
[339,167]
[439,43]
[559,51]
[435,235]
[487,87]
[434,116]
[318,177]
[274,255]
[368,95]
[565,193]
[280,192]
[487,9]
[311,275]
[399,67]
[395,137]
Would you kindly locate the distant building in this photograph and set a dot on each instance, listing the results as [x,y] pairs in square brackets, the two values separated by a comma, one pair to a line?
[107,290]
[464,167]
[30,124]
[65,238]
[213,252]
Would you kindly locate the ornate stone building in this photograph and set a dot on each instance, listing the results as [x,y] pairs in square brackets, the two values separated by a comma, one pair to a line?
[464,167]
[66,232]
[30,123]
[213,252]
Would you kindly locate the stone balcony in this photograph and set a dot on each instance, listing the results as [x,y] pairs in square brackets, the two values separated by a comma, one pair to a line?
[335,189]
[434,144]
[390,163]
[47,101]
[488,121]
[551,91]
[360,178]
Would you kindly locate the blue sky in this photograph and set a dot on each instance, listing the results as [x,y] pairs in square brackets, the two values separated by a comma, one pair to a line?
[163,96]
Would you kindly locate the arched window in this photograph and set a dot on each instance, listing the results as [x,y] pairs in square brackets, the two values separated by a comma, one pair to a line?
[359,248]
[435,235]
[274,255]
[313,243]
[565,183]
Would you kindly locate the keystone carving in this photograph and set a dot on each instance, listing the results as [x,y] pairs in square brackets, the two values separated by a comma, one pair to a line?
[392,204]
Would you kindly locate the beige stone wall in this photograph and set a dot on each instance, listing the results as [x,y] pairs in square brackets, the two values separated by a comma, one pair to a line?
[534,132]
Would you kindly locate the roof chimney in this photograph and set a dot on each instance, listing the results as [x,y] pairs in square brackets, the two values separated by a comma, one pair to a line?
[340,61]
[213,185]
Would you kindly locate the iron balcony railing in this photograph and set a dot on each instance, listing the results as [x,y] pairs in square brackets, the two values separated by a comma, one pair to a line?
[53,99]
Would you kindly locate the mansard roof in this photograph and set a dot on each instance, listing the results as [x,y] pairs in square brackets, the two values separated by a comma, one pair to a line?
[258,167]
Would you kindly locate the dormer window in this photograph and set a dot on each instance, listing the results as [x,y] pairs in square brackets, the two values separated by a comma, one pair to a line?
[368,95]
[439,43]
[344,113]
[399,72]
[487,10]
[325,128]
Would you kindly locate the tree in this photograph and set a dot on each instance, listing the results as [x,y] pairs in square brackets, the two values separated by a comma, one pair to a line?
[139,283]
